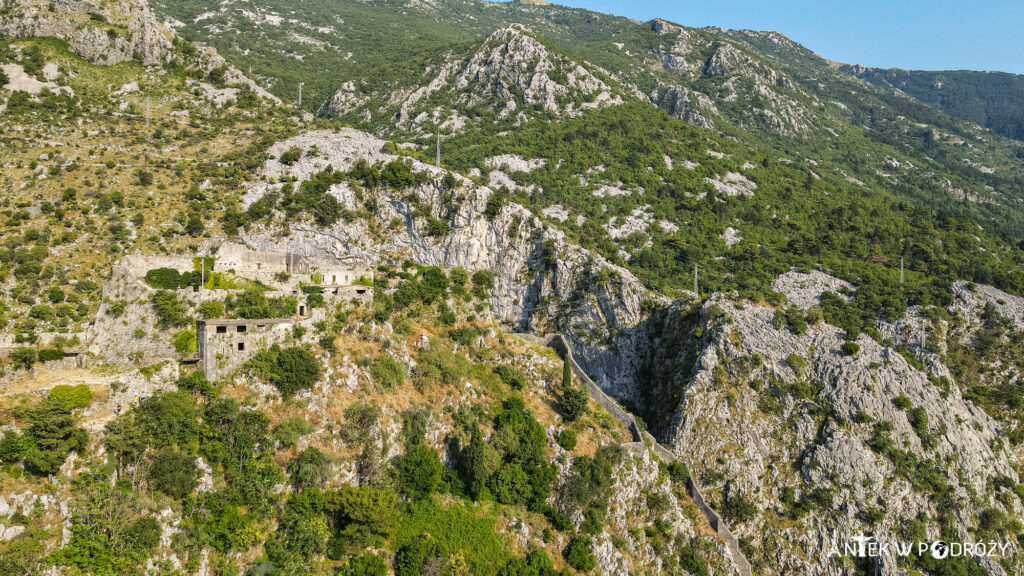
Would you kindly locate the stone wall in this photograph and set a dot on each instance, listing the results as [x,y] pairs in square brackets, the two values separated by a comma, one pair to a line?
[225,345]
[558,343]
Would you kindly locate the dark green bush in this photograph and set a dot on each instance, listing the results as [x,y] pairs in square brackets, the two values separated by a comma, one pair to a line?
[580,555]
[174,473]
[567,439]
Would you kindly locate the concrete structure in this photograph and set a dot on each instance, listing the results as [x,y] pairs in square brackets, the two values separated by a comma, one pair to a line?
[224,345]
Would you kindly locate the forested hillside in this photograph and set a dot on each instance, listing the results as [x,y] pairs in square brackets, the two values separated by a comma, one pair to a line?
[989,99]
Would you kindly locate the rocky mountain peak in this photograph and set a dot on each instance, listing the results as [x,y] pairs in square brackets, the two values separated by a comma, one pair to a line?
[513,72]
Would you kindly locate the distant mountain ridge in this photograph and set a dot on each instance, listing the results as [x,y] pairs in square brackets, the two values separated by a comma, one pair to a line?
[989,99]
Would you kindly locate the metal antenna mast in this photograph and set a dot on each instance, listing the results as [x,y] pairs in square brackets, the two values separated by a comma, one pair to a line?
[147,111]
[901,270]
[438,161]
[696,287]
[300,94]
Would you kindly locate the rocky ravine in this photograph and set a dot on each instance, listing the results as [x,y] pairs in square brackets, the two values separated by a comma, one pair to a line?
[739,442]
[543,283]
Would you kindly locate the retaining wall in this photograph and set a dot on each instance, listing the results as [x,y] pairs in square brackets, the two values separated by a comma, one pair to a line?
[558,343]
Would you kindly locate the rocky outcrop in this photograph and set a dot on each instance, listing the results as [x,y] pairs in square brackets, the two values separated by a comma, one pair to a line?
[768,411]
[542,281]
[512,72]
[101,32]
[682,103]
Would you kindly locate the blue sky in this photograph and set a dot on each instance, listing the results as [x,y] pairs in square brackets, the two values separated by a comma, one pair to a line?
[911,34]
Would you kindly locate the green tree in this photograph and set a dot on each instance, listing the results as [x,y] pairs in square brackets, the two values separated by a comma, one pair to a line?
[53,435]
[296,369]
[24,357]
[473,464]
[170,313]
[418,471]
[580,555]
[573,400]
[308,469]
[510,485]
[174,473]
[364,516]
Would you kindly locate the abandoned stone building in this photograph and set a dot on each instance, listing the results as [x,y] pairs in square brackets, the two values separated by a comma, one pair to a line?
[276,269]
[224,345]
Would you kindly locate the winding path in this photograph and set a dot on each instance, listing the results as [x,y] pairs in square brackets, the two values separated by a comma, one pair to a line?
[558,343]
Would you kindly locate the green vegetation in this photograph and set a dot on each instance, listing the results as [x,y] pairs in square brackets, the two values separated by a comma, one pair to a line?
[289,369]
[574,397]
[51,435]
[387,371]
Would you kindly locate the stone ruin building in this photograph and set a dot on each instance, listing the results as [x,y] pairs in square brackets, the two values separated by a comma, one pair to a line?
[225,344]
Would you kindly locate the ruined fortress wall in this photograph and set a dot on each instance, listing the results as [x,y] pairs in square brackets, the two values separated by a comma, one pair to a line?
[223,353]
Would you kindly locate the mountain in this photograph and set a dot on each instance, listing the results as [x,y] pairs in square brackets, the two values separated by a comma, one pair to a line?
[675,301]
[984,98]
[507,78]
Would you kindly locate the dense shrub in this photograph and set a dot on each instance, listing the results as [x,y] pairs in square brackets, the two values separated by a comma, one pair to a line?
[739,507]
[580,555]
[295,369]
[308,469]
[171,279]
[290,156]
[169,311]
[51,354]
[24,357]
[418,471]
[77,396]
[567,439]
[174,473]
[290,430]
[511,376]
[387,371]
[364,565]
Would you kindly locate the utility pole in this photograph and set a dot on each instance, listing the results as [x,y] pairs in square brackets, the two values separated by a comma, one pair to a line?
[300,94]
[696,287]
[438,161]
[901,270]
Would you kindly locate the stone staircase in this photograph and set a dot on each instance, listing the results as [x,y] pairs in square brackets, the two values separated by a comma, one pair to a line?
[558,343]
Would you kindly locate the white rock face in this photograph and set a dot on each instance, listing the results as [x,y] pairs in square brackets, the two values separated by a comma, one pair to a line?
[514,163]
[733,184]
[726,430]
[805,289]
[556,212]
[969,301]
[511,71]
[731,236]
[637,221]
[19,81]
